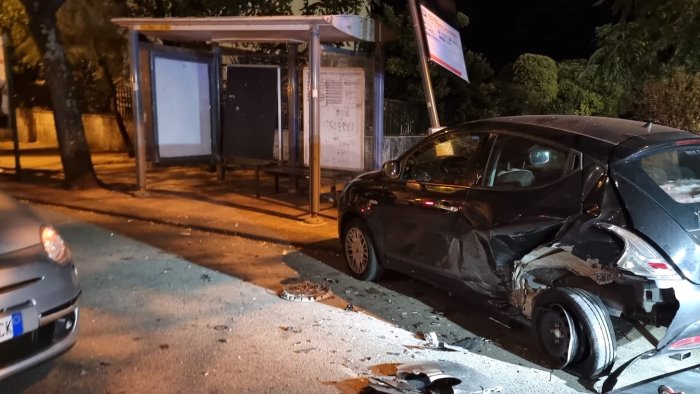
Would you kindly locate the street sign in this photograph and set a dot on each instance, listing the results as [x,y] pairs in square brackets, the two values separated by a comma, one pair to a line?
[444,44]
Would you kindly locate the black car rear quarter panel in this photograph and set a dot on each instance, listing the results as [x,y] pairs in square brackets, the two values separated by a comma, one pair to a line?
[660,229]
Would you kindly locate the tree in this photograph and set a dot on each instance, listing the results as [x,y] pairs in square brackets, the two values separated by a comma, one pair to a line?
[535,77]
[92,40]
[652,41]
[456,100]
[578,94]
[75,155]
[653,37]
[183,8]
[331,7]
[474,100]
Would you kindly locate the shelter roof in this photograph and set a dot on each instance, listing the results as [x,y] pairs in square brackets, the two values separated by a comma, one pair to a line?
[282,29]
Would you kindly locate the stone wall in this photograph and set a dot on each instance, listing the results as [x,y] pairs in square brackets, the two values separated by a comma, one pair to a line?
[37,125]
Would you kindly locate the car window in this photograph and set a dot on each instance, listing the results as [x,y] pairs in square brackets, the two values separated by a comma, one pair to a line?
[448,159]
[676,172]
[518,162]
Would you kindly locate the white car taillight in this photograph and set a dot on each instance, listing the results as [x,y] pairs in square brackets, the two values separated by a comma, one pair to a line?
[640,258]
[54,246]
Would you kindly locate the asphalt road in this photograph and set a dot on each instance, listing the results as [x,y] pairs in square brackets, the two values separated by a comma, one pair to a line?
[167,309]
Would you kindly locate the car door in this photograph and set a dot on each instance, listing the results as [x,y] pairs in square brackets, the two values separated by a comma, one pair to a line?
[531,187]
[422,211]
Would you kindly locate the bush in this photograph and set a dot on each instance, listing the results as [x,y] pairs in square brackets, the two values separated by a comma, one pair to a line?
[672,101]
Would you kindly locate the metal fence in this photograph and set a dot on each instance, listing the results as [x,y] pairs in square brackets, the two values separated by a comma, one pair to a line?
[124,105]
[404,118]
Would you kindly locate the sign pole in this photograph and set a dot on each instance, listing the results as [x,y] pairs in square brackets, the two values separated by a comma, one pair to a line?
[315,125]
[424,70]
[293,111]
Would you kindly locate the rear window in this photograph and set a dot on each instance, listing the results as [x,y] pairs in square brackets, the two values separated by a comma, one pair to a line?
[676,172]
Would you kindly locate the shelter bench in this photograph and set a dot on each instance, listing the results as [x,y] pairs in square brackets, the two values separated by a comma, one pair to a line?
[333,178]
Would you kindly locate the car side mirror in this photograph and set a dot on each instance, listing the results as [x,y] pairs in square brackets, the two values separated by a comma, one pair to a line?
[391,169]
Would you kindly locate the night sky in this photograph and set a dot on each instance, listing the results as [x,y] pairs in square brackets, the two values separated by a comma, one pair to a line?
[560,29]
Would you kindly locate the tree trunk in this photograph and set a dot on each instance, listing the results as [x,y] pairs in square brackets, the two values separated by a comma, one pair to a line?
[72,144]
[112,91]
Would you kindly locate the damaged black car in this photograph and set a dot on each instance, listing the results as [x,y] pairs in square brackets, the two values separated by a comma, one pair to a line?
[571,219]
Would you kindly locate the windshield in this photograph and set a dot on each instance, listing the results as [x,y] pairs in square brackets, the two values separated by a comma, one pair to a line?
[676,172]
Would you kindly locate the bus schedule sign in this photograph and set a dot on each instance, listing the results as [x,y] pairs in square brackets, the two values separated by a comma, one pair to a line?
[444,44]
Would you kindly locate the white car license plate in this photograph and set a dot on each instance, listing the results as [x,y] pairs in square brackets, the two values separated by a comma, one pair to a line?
[11,326]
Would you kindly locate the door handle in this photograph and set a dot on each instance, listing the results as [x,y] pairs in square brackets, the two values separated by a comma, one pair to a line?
[446,207]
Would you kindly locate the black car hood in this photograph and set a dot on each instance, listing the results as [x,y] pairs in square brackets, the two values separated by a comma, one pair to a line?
[19,228]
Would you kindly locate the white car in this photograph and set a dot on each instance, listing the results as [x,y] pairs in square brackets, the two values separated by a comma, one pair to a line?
[39,290]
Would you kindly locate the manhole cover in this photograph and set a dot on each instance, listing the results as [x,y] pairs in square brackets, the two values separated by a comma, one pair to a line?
[305,291]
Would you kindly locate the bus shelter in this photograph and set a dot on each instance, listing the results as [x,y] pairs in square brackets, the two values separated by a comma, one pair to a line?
[312,30]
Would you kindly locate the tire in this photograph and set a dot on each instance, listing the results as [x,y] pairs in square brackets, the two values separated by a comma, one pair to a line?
[360,253]
[574,331]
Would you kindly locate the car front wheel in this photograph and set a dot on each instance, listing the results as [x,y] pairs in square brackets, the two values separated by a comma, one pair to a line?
[574,331]
[360,252]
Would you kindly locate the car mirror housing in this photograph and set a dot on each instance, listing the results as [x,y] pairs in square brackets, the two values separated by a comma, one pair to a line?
[392,169]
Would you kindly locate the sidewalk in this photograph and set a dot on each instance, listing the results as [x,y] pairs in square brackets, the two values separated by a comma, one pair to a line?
[186,196]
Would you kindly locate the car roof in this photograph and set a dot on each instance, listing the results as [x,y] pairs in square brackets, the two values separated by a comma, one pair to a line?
[600,138]
[610,130]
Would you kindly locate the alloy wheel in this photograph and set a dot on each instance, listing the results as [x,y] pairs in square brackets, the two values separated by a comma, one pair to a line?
[356,250]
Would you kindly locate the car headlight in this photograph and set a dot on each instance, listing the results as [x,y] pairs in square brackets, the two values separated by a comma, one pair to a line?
[54,246]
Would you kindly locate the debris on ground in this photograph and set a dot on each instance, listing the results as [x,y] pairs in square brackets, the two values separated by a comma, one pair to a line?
[305,291]
[471,343]
[295,330]
[434,377]
[433,342]
[500,322]
[306,350]
[350,307]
